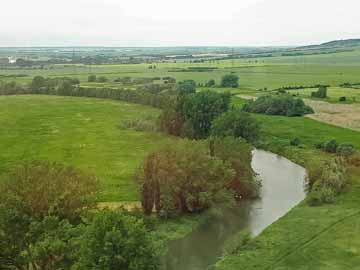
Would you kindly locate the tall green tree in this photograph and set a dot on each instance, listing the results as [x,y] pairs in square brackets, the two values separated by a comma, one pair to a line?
[230,80]
[114,241]
[200,109]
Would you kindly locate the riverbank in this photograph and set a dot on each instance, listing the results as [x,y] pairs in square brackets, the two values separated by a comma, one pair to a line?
[325,237]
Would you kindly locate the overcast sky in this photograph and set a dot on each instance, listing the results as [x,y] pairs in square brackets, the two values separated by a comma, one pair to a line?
[176,22]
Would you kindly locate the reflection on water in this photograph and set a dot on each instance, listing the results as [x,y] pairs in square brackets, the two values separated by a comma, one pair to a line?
[282,189]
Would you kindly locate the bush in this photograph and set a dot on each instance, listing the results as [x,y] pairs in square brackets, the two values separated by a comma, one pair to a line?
[330,146]
[320,93]
[295,142]
[345,150]
[331,180]
[116,240]
[101,79]
[278,105]
[230,80]
[45,188]
[187,87]
[210,83]
[236,123]
[92,78]
[342,99]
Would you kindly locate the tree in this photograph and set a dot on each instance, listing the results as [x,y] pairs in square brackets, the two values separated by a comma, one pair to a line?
[38,82]
[320,93]
[187,87]
[101,79]
[183,178]
[116,240]
[238,153]
[38,244]
[92,78]
[210,83]
[236,123]
[50,188]
[230,80]
[200,109]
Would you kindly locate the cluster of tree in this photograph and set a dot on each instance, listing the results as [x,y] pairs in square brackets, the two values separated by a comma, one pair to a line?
[47,222]
[60,85]
[332,146]
[297,87]
[192,113]
[230,80]
[320,93]
[349,85]
[94,78]
[12,87]
[185,177]
[278,105]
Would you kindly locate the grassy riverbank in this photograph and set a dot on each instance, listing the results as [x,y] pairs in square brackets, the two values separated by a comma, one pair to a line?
[325,237]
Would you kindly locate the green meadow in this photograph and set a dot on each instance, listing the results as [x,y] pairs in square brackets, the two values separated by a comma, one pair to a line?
[254,73]
[81,132]
[87,133]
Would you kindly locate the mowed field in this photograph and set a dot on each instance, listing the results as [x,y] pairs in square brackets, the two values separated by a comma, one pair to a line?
[82,132]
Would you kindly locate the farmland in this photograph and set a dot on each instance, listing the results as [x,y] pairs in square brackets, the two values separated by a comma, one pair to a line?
[91,134]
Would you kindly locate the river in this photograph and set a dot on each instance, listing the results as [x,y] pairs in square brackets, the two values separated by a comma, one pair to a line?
[283,187]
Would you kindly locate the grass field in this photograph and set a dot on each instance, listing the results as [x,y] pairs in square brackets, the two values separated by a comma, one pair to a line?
[273,72]
[307,238]
[334,93]
[81,132]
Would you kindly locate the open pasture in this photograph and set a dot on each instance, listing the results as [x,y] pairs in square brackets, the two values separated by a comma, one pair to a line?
[82,132]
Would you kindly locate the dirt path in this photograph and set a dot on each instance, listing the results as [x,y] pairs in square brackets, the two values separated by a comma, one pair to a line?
[343,115]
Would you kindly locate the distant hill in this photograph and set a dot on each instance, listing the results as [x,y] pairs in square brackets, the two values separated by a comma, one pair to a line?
[334,44]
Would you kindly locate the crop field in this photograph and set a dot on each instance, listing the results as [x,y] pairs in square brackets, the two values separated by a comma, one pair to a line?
[81,132]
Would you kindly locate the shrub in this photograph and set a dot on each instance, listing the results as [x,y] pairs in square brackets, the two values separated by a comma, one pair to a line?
[342,99]
[230,80]
[116,240]
[187,87]
[278,105]
[330,146]
[295,142]
[92,78]
[210,83]
[101,79]
[330,182]
[345,150]
[50,188]
[320,93]
[236,123]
